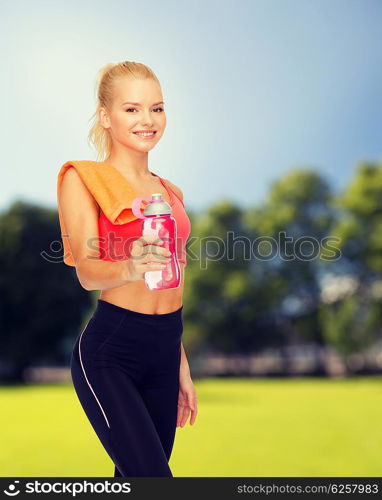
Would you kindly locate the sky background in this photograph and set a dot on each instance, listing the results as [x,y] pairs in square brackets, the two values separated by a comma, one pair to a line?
[252,89]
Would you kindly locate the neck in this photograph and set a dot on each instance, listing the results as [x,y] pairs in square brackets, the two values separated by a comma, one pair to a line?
[133,164]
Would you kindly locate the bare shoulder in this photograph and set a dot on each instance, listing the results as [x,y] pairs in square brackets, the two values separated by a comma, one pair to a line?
[79,212]
[73,188]
[175,188]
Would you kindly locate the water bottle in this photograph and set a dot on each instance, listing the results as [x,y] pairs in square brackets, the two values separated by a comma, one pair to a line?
[158,221]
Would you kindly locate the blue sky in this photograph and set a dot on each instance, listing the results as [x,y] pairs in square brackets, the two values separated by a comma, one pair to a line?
[252,89]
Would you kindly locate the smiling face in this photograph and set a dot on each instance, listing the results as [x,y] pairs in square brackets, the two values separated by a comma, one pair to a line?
[137,107]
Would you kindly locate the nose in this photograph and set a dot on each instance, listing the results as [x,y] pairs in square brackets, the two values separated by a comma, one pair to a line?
[147,118]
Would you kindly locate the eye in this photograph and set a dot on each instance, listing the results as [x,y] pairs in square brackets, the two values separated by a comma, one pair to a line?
[155,109]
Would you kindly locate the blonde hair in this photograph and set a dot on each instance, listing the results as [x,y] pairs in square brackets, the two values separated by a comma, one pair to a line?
[98,135]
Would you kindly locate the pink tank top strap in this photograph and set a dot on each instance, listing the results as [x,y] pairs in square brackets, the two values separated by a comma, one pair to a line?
[172,191]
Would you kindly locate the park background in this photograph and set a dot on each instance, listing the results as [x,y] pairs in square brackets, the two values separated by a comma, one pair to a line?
[274,128]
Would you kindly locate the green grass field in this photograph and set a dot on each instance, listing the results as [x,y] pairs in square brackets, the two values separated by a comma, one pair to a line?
[245,427]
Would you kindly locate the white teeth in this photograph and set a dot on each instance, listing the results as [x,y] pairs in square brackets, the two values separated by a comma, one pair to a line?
[144,133]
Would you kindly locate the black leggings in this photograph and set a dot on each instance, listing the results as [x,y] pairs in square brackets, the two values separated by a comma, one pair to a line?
[125,370]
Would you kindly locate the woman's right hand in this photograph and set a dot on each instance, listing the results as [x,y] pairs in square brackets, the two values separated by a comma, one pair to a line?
[146,254]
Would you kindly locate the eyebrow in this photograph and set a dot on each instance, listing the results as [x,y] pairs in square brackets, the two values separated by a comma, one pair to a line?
[138,104]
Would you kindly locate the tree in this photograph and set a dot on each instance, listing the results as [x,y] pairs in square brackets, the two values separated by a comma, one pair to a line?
[41,301]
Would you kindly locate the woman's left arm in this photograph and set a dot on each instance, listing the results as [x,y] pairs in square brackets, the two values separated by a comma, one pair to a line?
[187,400]
[184,366]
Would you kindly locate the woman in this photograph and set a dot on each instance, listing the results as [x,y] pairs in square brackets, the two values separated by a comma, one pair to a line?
[128,365]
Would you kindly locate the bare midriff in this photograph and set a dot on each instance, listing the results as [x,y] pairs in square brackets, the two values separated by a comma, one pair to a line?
[137,297]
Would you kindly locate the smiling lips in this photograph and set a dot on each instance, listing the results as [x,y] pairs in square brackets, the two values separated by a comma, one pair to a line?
[145,134]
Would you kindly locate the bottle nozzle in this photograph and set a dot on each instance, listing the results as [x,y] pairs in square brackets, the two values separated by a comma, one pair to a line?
[156,196]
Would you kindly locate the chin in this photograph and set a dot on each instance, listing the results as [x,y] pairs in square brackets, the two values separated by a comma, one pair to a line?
[143,148]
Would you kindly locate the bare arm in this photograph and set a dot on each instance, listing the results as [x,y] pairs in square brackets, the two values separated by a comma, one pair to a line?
[80,214]
[184,367]
[101,275]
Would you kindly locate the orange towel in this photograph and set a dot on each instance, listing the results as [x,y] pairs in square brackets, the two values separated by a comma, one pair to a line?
[110,189]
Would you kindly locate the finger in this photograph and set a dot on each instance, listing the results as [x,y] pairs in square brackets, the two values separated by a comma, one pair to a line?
[151,238]
[148,237]
[193,402]
[151,266]
[193,415]
[136,248]
[144,258]
[186,413]
[157,250]
[180,415]
[154,260]
[155,256]
[140,243]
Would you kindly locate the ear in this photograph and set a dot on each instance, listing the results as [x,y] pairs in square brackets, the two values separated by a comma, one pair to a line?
[103,118]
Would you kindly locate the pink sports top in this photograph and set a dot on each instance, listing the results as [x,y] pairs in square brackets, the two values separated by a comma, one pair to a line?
[117,224]
[115,240]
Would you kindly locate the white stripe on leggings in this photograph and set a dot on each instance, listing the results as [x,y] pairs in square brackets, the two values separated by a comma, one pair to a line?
[83,369]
